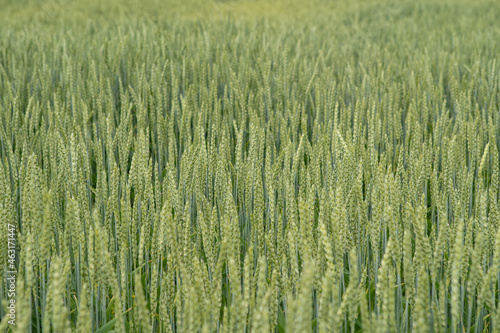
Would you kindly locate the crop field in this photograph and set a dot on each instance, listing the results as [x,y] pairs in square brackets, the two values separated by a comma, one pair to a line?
[249,166]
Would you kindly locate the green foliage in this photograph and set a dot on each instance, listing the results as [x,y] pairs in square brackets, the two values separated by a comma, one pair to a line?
[251,166]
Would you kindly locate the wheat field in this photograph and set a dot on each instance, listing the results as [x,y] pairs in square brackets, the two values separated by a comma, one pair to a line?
[249,166]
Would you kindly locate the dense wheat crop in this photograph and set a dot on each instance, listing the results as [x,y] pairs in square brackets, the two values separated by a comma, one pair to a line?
[249,166]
